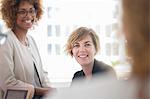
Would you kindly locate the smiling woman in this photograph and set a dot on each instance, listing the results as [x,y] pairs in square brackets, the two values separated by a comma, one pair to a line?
[83,44]
[20,64]
[136,32]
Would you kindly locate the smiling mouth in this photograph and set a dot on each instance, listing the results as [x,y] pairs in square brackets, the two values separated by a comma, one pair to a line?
[83,56]
[28,21]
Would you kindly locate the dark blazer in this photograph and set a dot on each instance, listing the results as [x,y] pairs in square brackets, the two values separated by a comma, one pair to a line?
[98,68]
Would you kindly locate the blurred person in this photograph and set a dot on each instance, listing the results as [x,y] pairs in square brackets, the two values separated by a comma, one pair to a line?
[20,62]
[135,26]
[83,44]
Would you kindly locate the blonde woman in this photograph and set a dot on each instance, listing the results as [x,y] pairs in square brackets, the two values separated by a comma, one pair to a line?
[136,22]
[83,44]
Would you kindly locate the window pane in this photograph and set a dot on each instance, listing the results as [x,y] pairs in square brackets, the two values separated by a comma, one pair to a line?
[57,29]
[108,31]
[115,48]
[108,49]
[49,49]
[57,49]
[49,30]
[49,12]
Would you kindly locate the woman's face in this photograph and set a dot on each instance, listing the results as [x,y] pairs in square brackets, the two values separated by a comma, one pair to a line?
[84,51]
[25,16]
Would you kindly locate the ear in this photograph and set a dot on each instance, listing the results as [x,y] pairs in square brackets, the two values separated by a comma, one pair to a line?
[71,53]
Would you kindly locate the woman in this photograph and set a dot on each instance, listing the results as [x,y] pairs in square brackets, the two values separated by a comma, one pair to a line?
[83,45]
[20,63]
[136,25]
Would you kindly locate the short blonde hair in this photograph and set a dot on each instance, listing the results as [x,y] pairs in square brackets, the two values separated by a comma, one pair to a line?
[78,34]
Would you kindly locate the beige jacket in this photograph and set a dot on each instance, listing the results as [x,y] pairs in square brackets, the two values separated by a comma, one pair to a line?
[16,64]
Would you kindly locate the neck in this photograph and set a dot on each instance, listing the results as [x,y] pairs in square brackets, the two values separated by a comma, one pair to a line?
[88,69]
[21,35]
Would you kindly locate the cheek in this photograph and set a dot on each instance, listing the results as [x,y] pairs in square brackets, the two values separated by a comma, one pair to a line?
[18,21]
[93,51]
[74,52]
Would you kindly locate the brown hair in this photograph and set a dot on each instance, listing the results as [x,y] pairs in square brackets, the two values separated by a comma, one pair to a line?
[78,34]
[136,27]
[9,10]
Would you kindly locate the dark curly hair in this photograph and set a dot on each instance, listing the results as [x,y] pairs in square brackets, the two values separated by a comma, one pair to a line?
[9,10]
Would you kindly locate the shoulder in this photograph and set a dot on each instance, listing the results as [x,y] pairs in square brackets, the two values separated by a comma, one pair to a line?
[101,64]
[10,36]
[32,42]
[78,74]
[104,67]
[10,41]
[30,38]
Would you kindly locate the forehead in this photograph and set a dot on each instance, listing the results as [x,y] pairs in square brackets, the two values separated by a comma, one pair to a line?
[84,39]
[25,5]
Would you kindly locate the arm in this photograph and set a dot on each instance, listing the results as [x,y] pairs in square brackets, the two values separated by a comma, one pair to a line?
[8,66]
[43,91]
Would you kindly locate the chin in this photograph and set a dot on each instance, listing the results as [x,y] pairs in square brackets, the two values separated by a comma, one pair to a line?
[27,28]
[83,63]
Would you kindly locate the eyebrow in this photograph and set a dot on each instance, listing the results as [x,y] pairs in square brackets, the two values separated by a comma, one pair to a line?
[84,42]
[26,9]
[88,42]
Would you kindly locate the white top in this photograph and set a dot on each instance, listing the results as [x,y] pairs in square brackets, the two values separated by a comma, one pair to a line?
[16,63]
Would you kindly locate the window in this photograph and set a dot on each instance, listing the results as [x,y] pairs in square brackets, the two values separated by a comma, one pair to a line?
[57,49]
[49,30]
[115,49]
[49,49]
[108,31]
[57,30]
[49,13]
[108,49]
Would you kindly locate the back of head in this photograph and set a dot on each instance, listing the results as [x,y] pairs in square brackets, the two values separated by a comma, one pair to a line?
[136,24]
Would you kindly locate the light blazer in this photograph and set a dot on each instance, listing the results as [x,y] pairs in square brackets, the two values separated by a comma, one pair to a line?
[16,64]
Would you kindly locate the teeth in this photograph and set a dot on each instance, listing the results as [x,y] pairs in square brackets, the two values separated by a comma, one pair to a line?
[82,56]
[28,21]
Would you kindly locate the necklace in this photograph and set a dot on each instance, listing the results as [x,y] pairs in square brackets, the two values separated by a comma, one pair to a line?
[27,43]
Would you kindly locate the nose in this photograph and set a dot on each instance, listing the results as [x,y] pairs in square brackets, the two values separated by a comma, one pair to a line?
[28,14]
[82,48]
